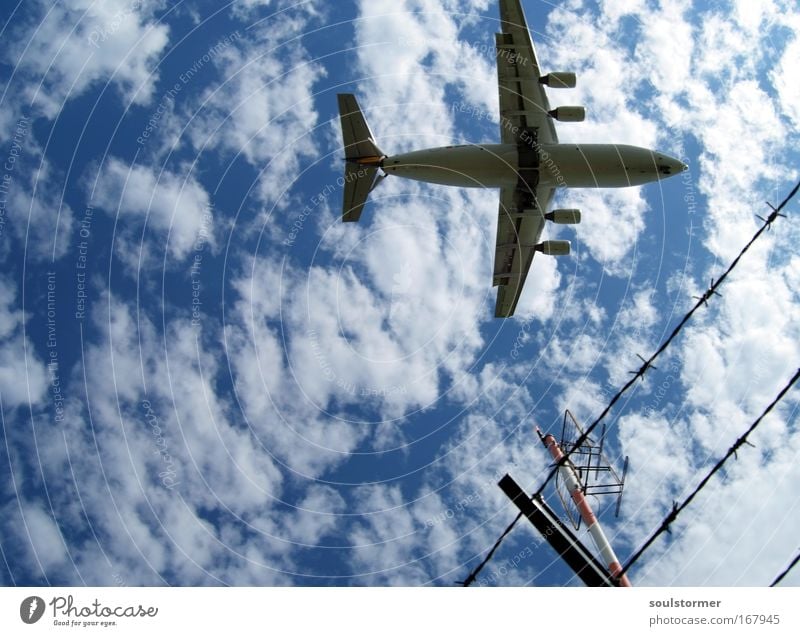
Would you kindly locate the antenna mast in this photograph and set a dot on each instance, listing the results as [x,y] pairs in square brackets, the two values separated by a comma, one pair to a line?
[568,474]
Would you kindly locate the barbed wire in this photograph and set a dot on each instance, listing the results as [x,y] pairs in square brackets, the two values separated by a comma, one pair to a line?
[677,509]
[786,571]
[701,301]
[646,365]
[474,574]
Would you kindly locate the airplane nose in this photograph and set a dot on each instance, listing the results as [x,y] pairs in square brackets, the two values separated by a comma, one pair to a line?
[669,165]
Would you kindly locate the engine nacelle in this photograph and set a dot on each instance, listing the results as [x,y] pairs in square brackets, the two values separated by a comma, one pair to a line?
[566,216]
[559,80]
[568,113]
[554,248]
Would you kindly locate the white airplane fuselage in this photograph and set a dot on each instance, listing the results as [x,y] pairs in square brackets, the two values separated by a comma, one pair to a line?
[560,165]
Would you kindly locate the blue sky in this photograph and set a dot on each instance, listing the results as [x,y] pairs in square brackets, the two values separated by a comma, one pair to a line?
[206,379]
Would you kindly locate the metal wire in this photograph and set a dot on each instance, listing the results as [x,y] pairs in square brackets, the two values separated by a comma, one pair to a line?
[788,569]
[474,574]
[677,509]
[647,364]
[703,300]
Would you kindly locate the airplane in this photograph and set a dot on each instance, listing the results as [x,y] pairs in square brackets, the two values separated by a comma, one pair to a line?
[527,166]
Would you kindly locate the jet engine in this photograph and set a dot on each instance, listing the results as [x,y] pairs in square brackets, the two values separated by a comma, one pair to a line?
[567,216]
[568,113]
[553,248]
[559,80]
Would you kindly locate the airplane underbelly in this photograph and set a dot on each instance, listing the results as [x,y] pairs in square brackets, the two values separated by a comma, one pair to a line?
[596,165]
[489,166]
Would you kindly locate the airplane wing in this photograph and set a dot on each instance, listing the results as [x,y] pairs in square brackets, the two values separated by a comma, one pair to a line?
[523,121]
[519,226]
[523,101]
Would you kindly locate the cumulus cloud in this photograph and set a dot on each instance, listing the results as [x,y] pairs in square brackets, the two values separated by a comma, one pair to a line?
[152,456]
[177,207]
[23,375]
[721,538]
[404,301]
[788,91]
[238,456]
[33,536]
[425,41]
[68,49]
[734,356]
[33,209]
[263,109]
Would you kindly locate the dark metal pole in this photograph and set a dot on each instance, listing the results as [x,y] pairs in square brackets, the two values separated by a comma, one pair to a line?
[561,538]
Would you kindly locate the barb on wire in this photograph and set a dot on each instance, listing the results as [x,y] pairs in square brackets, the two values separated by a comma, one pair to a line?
[786,571]
[676,510]
[703,300]
[776,212]
[646,365]
[709,292]
[736,455]
[673,514]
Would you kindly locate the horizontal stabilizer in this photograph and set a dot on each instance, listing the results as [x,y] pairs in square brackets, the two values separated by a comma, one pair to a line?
[363,156]
[359,142]
[358,182]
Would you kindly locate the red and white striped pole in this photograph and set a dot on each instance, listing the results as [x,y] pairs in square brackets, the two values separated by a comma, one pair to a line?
[567,472]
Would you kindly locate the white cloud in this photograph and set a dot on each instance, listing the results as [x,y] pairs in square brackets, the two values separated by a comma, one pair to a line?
[10,318]
[244,8]
[399,323]
[318,515]
[313,347]
[781,77]
[425,42]
[614,10]
[285,405]
[642,313]
[23,376]
[67,49]
[36,214]
[46,544]
[740,529]
[539,298]
[264,107]
[736,353]
[177,207]
[730,368]
[612,222]
[386,545]
[660,466]
[167,478]
[607,82]
[667,47]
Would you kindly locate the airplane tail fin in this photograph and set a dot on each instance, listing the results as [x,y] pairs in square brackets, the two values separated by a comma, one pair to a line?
[363,156]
